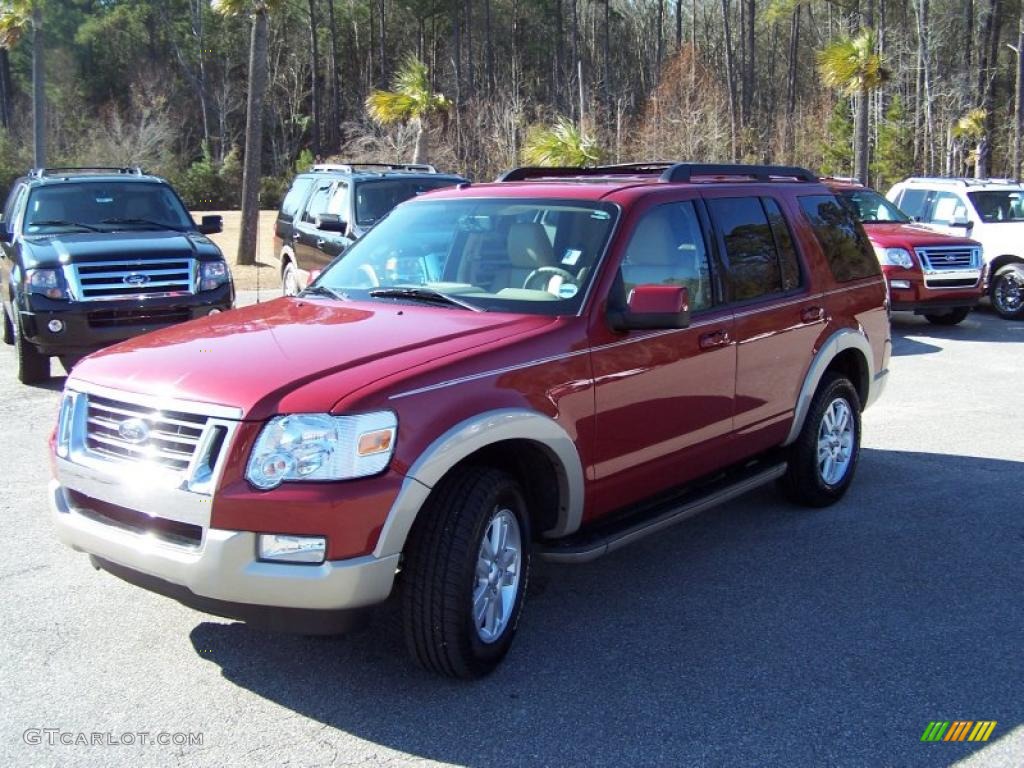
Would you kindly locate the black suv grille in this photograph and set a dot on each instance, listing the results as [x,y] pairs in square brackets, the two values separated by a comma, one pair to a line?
[130,278]
[122,318]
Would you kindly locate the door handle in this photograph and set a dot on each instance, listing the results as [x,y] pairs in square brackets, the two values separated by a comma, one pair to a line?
[812,314]
[320,242]
[715,339]
[296,235]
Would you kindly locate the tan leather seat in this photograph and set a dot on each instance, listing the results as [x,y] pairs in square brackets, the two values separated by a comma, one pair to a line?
[528,249]
[655,256]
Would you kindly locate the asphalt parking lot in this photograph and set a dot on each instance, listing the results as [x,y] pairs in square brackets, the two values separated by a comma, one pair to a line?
[757,634]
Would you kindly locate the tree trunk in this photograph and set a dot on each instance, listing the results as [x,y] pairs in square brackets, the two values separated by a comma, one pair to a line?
[679,24]
[489,53]
[248,240]
[314,84]
[421,153]
[1018,123]
[860,141]
[794,48]
[659,50]
[38,91]
[730,76]
[382,39]
[335,127]
[748,65]
[606,56]
[6,97]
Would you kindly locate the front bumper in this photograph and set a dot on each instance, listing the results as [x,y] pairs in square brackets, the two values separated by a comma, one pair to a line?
[92,325]
[921,298]
[223,576]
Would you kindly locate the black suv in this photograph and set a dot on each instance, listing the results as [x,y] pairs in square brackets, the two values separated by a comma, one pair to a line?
[92,256]
[331,206]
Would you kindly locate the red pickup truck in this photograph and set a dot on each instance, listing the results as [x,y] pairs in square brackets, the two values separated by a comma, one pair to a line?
[553,365]
[928,273]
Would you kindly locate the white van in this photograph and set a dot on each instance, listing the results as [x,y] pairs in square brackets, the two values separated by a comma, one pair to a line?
[990,211]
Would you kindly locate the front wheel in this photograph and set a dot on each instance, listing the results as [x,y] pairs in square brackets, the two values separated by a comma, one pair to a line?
[465,572]
[33,365]
[1007,292]
[953,317]
[824,457]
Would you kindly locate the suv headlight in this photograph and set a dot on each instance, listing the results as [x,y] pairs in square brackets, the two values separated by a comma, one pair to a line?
[212,274]
[895,257]
[45,282]
[319,446]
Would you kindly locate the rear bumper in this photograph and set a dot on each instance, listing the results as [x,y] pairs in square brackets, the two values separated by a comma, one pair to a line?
[222,575]
[89,326]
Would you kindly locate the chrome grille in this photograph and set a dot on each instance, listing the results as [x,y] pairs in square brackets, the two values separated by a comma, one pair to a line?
[132,432]
[949,257]
[131,278]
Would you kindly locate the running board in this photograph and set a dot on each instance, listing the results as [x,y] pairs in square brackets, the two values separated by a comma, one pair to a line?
[590,545]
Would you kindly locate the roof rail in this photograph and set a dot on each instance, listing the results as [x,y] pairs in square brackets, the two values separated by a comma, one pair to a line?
[843,179]
[668,171]
[962,180]
[39,173]
[352,167]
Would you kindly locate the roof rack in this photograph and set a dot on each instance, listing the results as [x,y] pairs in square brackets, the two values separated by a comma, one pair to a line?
[961,180]
[669,172]
[843,179]
[352,167]
[39,173]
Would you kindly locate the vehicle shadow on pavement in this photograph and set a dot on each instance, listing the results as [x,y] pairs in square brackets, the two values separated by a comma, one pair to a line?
[982,325]
[757,634]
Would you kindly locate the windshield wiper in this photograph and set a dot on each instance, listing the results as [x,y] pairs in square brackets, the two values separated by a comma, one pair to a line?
[424,294]
[323,290]
[147,222]
[63,223]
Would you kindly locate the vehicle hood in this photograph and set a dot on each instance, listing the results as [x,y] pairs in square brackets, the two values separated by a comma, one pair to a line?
[896,234]
[253,358]
[80,247]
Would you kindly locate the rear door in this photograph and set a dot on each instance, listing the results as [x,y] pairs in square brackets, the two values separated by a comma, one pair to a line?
[664,399]
[776,317]
[308,240]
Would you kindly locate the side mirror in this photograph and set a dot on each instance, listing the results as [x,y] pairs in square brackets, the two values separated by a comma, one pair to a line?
[962,221]
[653,307]
[330,222]
[211,225]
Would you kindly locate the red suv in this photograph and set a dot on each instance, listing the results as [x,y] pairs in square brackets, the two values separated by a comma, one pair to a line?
[554,365]
[928,273]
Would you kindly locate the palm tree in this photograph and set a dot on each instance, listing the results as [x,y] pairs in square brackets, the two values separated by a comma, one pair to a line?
[971,127]
[562,143]
[411,100]
[853,66]
[16,17]
[259,10]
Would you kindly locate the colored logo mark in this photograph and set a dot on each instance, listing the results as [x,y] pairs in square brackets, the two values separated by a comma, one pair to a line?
[958,730]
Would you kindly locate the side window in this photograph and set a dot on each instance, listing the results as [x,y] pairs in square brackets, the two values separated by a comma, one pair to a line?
[338,204]
[668,248]
[912,202]
[946,208]
[788,260]
[15,202]
[293,200]
[317,203]
[846,247]
[753,264]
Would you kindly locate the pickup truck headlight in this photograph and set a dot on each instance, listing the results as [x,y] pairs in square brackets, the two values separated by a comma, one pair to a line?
[895,257]
[319,446]
[45,282]
[212,274]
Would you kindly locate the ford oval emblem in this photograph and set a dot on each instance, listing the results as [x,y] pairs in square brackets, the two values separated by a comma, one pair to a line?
[136,278]
[133,431]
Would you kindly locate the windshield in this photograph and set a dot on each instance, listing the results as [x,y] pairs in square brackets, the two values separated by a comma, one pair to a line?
[104,205]
[515,255]
[999,205]
[871,208]
[374,199]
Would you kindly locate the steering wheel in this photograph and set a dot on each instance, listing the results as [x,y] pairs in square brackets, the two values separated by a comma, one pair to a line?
[371,275]
[549,272]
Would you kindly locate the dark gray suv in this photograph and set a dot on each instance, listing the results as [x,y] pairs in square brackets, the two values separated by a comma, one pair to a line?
[331,206]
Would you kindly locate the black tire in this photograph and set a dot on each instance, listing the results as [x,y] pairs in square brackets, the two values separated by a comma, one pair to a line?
[289,279]
[803,482]
[8,327]
[33,366]
[1007,292]
[439,572]
[954,317]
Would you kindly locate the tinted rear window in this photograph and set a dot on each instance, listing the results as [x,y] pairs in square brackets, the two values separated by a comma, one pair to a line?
[842,239]
[293,200]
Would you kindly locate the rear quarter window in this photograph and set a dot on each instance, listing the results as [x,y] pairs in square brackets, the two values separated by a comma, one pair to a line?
[296,195]
[846,247]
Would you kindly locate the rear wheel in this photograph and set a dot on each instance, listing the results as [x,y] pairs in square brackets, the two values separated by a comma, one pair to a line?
[290,279]
[824,457]
[1007,292]
[953,317]
[465,572]
[33,365]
